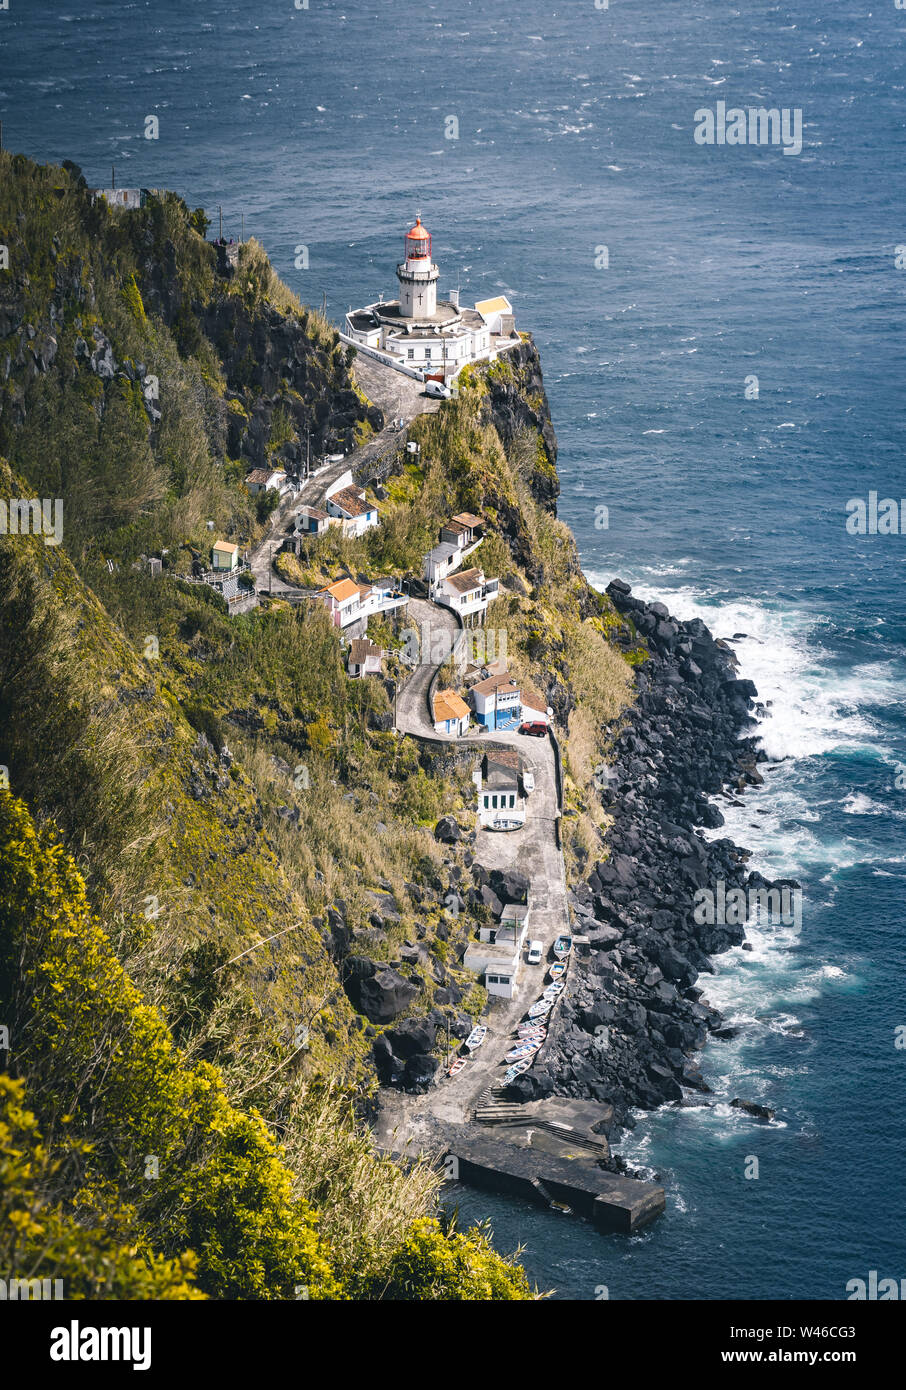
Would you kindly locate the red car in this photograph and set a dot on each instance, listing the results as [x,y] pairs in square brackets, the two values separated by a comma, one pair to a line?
[536,730]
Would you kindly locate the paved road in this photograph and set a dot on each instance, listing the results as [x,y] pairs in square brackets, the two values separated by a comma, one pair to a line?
[533,851]
[399,397]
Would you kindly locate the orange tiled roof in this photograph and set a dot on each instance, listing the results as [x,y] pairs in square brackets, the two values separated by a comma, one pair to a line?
[342,589]
[351,501]
[449,705]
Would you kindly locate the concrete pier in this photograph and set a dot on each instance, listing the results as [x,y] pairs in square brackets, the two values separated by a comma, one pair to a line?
[544,1151]
[610,1201]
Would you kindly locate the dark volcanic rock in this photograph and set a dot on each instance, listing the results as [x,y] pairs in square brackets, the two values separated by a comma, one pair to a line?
[411,1036]
[447,830]
[751,1107]
[631,1024]
[420,1071]
[378,991]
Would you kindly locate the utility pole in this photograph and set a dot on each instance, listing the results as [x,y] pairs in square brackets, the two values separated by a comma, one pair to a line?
[221,222]
[243,226]
[113,176]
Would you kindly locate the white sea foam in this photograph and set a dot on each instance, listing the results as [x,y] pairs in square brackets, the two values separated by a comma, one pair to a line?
[812,709]
[858,804]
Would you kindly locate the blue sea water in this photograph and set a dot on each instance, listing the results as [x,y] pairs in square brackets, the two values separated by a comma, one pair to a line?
[327,127]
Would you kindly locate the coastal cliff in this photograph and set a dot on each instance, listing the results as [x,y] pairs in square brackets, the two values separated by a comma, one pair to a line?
[217,851]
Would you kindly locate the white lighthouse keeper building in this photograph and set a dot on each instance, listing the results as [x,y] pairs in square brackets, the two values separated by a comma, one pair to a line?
[428,336]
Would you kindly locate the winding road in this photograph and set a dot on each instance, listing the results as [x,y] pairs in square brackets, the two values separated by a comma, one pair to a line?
[533,851]
[399,397]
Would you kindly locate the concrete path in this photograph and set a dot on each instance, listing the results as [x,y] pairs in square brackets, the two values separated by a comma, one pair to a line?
[399,397]
[533,851]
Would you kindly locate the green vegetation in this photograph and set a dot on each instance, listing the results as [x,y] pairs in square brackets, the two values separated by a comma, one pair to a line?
[196,799]
[154,1184]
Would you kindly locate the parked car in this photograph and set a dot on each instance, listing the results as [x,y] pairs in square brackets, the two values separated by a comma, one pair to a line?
[438,390]
[528,782]
[536,730]
[535,952]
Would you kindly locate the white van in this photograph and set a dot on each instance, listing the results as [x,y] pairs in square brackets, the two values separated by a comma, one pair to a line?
[535,952]
[438,390]
[528,782]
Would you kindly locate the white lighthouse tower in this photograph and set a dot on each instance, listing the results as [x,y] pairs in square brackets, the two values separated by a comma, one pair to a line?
[418,276]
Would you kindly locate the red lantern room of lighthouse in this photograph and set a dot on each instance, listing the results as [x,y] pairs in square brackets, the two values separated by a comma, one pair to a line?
[418,243]
[418,276]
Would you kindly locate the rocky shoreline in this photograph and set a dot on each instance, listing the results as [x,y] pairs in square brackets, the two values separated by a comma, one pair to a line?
[628,1032]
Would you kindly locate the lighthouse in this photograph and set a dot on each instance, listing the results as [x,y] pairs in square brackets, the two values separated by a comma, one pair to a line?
[418,275]
[424,336]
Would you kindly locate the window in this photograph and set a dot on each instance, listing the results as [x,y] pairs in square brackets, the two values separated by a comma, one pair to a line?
[427,354]
[487,802]
[494,802]
[410,353]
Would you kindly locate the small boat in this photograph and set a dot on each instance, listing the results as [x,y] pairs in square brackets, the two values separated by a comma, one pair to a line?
[476,1037]
[541,1009]
[562,947]
[532,1030]
[524,1049]
[553,991]
[557,969]
[561,1207]
[516,1070]
[456,1066]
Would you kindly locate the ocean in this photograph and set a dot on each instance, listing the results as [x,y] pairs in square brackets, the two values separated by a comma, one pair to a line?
[721,329]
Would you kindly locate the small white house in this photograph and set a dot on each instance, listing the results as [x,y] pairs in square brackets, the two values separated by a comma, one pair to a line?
[534,706]
[354,512]
[501,805]
[497,957]
[348,601]
[312,521]
[224,557]
[441,561]
[515,917]
[464,530]
[387,594]
[266,479]
[451,714]
[468,592]
[343,601]
[364,658]
[498,702]
[497,314]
